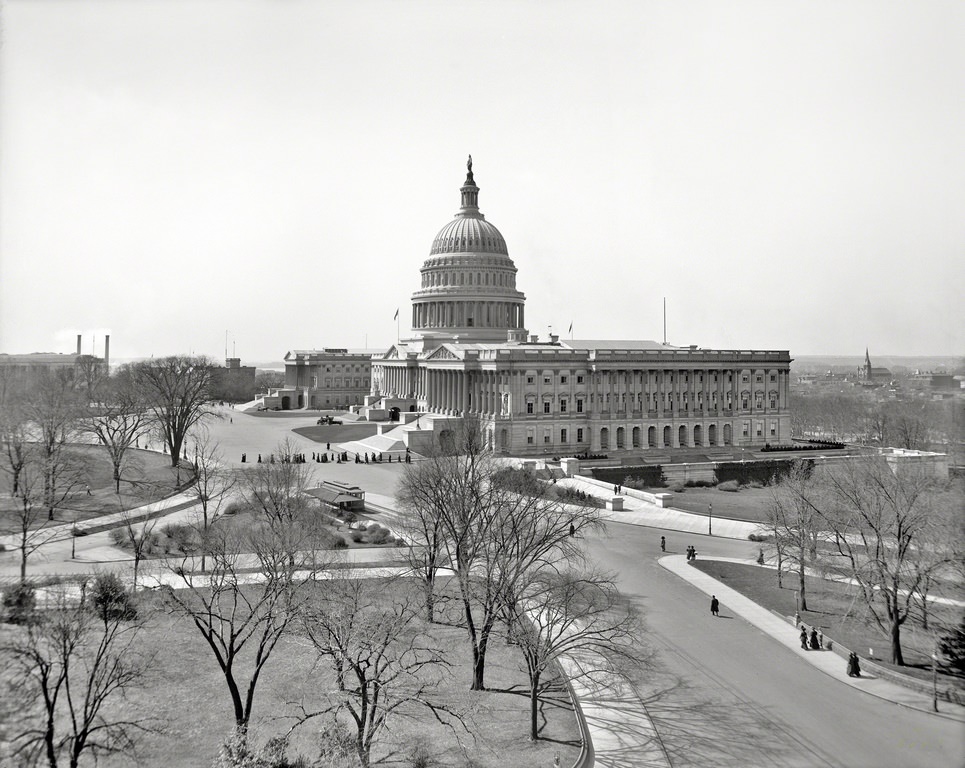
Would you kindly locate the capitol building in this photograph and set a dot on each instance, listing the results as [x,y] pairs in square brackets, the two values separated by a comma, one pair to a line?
[469,355]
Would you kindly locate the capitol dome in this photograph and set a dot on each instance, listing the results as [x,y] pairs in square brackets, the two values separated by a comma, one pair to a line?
[469,233]
[468,287]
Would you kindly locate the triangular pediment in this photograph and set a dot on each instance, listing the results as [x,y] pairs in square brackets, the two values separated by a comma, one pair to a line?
[442,353]
[392,354]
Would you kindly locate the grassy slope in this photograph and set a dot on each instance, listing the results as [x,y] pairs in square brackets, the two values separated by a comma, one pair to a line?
[152,473]
[187,696]
[836,609]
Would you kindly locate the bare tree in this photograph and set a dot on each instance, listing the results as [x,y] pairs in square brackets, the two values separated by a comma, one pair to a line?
[176,389]
[384,662]
[70,664]
[496,530]
[422,494]
[54,410]
[278,489]
[13,429]
[254,588]
[138,535]
[881,522]
[211,484]
[793,517]
[576,615]
[29,514]
[118,419]
[91,373]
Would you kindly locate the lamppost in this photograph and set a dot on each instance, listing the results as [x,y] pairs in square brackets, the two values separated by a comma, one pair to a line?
[710,519]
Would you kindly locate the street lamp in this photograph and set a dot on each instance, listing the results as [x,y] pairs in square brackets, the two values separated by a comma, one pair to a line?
[710,519]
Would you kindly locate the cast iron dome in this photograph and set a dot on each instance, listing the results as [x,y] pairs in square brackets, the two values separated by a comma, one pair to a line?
[469,232]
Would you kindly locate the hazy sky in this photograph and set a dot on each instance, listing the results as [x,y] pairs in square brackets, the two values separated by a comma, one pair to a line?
[790,175]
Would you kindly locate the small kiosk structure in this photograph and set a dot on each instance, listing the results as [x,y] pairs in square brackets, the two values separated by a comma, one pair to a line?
[339,498]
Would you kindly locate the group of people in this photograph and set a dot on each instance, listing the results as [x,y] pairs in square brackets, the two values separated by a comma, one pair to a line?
[813,640]
[691,553]
[617,490]
[336,458]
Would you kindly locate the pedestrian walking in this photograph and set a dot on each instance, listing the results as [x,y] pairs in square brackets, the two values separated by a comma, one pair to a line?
[663,543]
[88,491]
[854,667]
[714,606]
[804,638]
[814,640]
[820,639]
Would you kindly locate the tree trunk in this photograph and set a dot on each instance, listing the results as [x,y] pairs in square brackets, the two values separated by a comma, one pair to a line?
[23,563]
[534,707]
[896,657]
[430,602]
[801,585]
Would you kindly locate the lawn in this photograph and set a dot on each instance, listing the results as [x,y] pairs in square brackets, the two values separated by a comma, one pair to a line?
[147,477]
[187,696]
[337,433]
[838,610]
[746,504]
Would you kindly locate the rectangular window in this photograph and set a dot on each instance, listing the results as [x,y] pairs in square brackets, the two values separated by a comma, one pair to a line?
[530,379]
[759,426]
[579,379]
[564,379]
[773,378]
[546,406]
[529,439]
[547,380]
[547,435]
[579,435]
[759,379]
[579,406]
[530,436]
[563,435]
[314,382]
[529,407]
[773,429]
[746,429]
[562,406]
[773,401]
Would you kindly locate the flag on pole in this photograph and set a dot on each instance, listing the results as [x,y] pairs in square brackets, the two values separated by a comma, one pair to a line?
[571,327]
[396,315]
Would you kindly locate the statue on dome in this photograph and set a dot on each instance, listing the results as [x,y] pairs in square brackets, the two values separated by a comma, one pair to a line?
[469,164]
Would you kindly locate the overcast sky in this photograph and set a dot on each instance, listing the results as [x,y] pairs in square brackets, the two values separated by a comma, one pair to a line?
[789,175]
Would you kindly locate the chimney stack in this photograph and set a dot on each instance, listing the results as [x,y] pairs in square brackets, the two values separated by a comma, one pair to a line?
[78,343]
[107,352]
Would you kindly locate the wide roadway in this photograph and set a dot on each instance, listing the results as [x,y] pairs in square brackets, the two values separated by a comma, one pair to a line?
[719,692]
[722,693]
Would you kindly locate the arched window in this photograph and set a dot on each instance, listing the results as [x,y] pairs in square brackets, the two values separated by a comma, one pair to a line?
[604,438]
[682,436]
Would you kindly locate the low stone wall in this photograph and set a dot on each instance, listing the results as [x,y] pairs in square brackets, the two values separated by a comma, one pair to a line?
[659,499]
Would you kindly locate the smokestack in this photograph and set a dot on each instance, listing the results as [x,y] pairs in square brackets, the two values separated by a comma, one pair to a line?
[78,343]
[107,352]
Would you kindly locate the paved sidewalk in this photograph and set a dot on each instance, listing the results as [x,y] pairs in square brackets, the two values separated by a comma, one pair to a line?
[785,634]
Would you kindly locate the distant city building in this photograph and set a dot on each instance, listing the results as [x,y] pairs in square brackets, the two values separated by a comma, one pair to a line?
[328,378]
[36,362]
[470,355]
[233,382]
